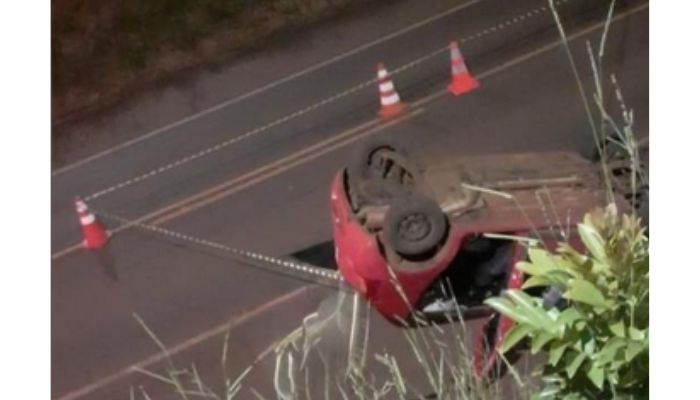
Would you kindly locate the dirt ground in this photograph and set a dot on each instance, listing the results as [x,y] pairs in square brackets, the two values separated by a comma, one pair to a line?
[105,52]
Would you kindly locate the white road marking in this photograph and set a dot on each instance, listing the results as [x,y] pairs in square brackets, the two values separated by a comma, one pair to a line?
[264,88]
[282,120]
[424,100]
[80,392]
[172,351]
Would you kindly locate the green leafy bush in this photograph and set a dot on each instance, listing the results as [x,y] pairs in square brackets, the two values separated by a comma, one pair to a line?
[596,341]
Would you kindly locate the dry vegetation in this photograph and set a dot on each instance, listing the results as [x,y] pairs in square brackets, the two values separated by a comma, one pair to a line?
[102,51]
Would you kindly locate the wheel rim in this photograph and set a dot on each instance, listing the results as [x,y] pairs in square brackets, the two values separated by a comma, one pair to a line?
[414,227]
[380,159]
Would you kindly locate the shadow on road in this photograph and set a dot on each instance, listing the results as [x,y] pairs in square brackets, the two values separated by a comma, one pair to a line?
[320,254]
[106,261]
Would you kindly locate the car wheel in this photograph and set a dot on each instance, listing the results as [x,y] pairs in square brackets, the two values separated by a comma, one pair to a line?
[383,160]
[414,226]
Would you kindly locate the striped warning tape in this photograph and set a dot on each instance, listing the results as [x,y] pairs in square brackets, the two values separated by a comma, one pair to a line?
[288,267]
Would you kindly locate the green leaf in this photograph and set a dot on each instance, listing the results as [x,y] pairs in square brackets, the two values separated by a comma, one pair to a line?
[636,334]
[609,351]
[633,349]
[618,329]
[570,257]
[546,394]
[575,364]
[600,267]
[556,351]
[552,278]
[528,268]
[590,347]
[552,380]
[574,396]
[593,241]
[584,292]
[527,306]
[514,336]
[561,277]
[537,281]
[597,375]
[509,309]
[541,261]
[540,340]
[568,317]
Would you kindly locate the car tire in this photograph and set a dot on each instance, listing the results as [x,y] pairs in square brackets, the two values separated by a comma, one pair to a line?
[414,226]
[367,173]
[366,163]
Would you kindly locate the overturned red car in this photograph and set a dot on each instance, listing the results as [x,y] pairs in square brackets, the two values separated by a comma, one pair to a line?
[431,239]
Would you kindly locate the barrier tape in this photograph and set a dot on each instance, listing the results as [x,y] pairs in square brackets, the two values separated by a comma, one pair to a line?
[307,271]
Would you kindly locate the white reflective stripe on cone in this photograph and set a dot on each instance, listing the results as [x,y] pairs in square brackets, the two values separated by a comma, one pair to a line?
[390,99]
[458,69]
[382,73]
[87,220]
[80,206]
[386,87]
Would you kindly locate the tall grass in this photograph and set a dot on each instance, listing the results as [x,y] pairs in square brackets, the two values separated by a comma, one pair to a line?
[186,382]
[623,136]
[447,370]
[453,378]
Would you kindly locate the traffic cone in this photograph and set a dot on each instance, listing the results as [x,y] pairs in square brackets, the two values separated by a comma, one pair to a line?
[389,98]
[94,235]
[462,81]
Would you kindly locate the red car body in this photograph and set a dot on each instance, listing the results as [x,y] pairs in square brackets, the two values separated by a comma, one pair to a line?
[369,264]
[365,268]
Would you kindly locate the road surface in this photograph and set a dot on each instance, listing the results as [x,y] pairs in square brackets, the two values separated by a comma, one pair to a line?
[268,192]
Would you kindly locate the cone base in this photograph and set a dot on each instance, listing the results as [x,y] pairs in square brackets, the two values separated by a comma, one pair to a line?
[94,237]
[462,85]
[387,112]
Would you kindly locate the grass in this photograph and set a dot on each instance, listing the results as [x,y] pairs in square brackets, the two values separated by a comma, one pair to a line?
[447,370]
[623,136]
[441,352]
[102,51]
[307,368]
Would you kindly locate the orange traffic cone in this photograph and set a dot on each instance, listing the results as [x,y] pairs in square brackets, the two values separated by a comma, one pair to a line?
[389,98]
[94,235]
[462,81]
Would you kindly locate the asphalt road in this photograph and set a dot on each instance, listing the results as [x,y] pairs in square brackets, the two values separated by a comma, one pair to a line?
[186,294]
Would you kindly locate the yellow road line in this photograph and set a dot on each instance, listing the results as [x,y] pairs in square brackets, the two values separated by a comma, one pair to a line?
[80,392]
[189,204]
[172,351]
